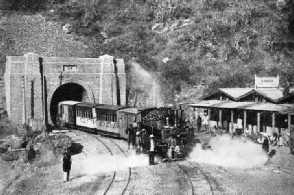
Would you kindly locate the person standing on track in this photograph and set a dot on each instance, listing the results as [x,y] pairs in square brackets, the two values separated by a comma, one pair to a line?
[66,166]
[151,150]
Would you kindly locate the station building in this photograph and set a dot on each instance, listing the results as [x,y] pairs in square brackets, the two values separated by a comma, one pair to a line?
[265,108]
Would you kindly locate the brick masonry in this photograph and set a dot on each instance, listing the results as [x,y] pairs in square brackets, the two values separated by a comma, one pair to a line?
[23,82]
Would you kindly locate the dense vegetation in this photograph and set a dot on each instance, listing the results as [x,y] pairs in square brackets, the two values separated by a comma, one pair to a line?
[188,44]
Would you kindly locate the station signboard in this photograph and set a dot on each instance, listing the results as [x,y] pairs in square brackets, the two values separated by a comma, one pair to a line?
[267,82]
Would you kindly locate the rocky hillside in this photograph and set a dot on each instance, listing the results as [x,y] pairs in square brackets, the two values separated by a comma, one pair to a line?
[191,47]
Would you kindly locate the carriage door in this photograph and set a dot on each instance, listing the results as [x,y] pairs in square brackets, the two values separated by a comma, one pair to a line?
[125,124]
[65,111]
[71,115]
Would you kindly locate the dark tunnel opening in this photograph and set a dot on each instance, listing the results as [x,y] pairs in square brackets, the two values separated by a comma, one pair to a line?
[69,91]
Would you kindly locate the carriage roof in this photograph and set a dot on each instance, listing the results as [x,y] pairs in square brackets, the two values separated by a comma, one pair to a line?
[86,105]
[69,102]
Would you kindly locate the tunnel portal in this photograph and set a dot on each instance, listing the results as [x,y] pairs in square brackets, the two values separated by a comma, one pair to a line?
[69,91]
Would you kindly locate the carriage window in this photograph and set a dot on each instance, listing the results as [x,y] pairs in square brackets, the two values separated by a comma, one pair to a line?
[114,118]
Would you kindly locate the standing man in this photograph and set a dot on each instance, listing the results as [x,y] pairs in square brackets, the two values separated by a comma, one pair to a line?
[151,150]
[66,166]
[144,141]
[171,143]
[130,131]
[138,142]
[265,144]
[205,121]
[199,123]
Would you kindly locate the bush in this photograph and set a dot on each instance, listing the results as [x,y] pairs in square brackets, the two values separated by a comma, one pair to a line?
[7,129]
[75,148]
[9,157]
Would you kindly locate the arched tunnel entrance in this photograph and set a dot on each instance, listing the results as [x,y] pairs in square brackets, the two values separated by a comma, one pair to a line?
[69,91]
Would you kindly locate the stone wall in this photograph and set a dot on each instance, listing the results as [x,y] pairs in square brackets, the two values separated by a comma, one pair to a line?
[23,82]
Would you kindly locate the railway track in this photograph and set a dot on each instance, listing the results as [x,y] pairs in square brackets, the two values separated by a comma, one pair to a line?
[200,181]
[119,181]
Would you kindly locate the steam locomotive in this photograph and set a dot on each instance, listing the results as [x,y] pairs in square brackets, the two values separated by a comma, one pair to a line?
[112,120]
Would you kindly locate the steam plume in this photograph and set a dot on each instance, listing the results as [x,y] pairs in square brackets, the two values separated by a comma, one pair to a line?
[227,152]
[143,81]
[106,163]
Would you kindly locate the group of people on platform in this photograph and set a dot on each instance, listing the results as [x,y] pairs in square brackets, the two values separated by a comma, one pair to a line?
[143,141]
[137,137]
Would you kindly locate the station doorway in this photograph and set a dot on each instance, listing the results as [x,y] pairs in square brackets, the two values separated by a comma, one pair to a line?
[69,91]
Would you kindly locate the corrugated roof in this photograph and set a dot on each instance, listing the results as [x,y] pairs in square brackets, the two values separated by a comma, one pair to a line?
[69,102]
[236,92]
[207,103]
[236,105]
[272,93]
[256,106]
[266,107]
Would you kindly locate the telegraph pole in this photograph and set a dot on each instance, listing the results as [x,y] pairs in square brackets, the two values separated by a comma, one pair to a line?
[154,92]
[43,91]
[23,101]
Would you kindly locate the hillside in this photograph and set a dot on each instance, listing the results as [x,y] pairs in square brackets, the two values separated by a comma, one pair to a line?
[192,47]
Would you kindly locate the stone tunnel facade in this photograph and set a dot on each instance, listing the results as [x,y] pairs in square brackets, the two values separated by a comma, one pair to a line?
[31,81]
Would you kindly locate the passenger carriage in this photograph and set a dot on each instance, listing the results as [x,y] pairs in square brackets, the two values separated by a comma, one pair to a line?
[107,121]
[97,118]
[86,116]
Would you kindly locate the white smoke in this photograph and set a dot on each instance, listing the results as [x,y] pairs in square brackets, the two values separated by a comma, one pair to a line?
[106,163]
[145,82]
[227,152]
